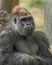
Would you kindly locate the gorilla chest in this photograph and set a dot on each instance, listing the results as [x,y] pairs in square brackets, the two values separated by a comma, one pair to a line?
[27,46]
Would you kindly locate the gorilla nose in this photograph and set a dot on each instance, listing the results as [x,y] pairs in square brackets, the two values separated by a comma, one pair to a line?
[28,24]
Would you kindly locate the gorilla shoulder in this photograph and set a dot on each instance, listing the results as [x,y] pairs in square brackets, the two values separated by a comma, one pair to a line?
[41,36]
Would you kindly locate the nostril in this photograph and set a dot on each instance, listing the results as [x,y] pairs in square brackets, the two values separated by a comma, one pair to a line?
[28,24]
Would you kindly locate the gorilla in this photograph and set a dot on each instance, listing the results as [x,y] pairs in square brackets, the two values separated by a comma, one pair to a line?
[4,18]
[21,45]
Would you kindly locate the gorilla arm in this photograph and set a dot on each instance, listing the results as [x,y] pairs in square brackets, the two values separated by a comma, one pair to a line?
[6,44]
[44,56]
[41,35]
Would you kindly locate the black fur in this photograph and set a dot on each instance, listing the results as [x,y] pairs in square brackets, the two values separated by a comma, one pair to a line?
[23,46]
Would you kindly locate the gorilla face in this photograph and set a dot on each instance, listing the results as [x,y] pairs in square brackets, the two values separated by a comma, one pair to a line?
[24,25]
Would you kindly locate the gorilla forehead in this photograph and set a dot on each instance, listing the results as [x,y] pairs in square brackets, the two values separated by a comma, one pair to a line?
[24,18]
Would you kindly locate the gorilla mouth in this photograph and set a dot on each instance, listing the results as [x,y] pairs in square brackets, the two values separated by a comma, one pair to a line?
[28,31]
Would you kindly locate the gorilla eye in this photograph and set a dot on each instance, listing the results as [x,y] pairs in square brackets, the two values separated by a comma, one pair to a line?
[15,20]
[23,19]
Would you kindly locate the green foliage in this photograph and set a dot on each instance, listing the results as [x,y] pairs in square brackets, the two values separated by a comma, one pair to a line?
[37,3]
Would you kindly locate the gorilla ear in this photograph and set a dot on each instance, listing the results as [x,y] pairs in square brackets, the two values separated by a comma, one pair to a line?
[15,20]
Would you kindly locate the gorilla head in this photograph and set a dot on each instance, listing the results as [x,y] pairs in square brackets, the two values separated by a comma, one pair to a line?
[24,25]
[19,45]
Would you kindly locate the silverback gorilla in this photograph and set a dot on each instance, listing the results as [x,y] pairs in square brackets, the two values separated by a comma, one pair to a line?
[21,45]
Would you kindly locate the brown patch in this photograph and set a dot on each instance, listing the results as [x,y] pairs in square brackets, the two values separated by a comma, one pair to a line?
[18,10]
